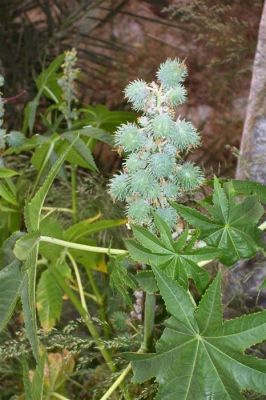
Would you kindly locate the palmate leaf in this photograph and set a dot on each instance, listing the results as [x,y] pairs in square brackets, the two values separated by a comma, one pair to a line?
[177,258]
[198,355]
[231,226]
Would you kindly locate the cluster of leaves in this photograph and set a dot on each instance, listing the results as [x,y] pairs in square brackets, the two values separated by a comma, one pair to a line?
[154,173]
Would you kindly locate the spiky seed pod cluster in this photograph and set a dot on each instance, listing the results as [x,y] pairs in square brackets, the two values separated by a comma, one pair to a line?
[67,84]
[154,172]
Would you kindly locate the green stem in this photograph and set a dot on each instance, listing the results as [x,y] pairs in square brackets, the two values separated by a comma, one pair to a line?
[80,287]
[78,246]
[74,193]
[86,317]
[59,396]
[149,314]
[116,383]
[58,209]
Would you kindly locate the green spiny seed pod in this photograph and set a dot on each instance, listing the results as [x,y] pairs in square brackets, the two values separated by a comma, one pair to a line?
[169,215]
[170,149]
[143,121]
[171,190]
[189,176]
[177,95]
[137,92]
[185,135]
[144,185]
[129,137]
[134,163]
[119,187]
[139,211]
[163,125]
[161,165]
[154,173]
[171,73]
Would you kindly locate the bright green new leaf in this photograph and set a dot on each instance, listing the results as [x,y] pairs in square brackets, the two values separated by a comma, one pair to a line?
[231,226]
[198,355]
[178,258]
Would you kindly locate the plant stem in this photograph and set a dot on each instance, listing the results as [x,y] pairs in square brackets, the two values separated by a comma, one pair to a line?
[58,209]
[74,193]
[149,314]
[81,291]
[116,383]
[59,396]
[84,247]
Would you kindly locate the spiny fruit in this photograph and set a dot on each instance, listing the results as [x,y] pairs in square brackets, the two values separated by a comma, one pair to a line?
[154,172]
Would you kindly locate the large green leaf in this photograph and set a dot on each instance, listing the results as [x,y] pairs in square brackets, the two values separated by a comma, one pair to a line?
[11,281]
[232,225]
[178,258]
[198,355]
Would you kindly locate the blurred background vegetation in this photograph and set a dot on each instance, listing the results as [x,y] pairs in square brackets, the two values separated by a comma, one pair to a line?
[119,40]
